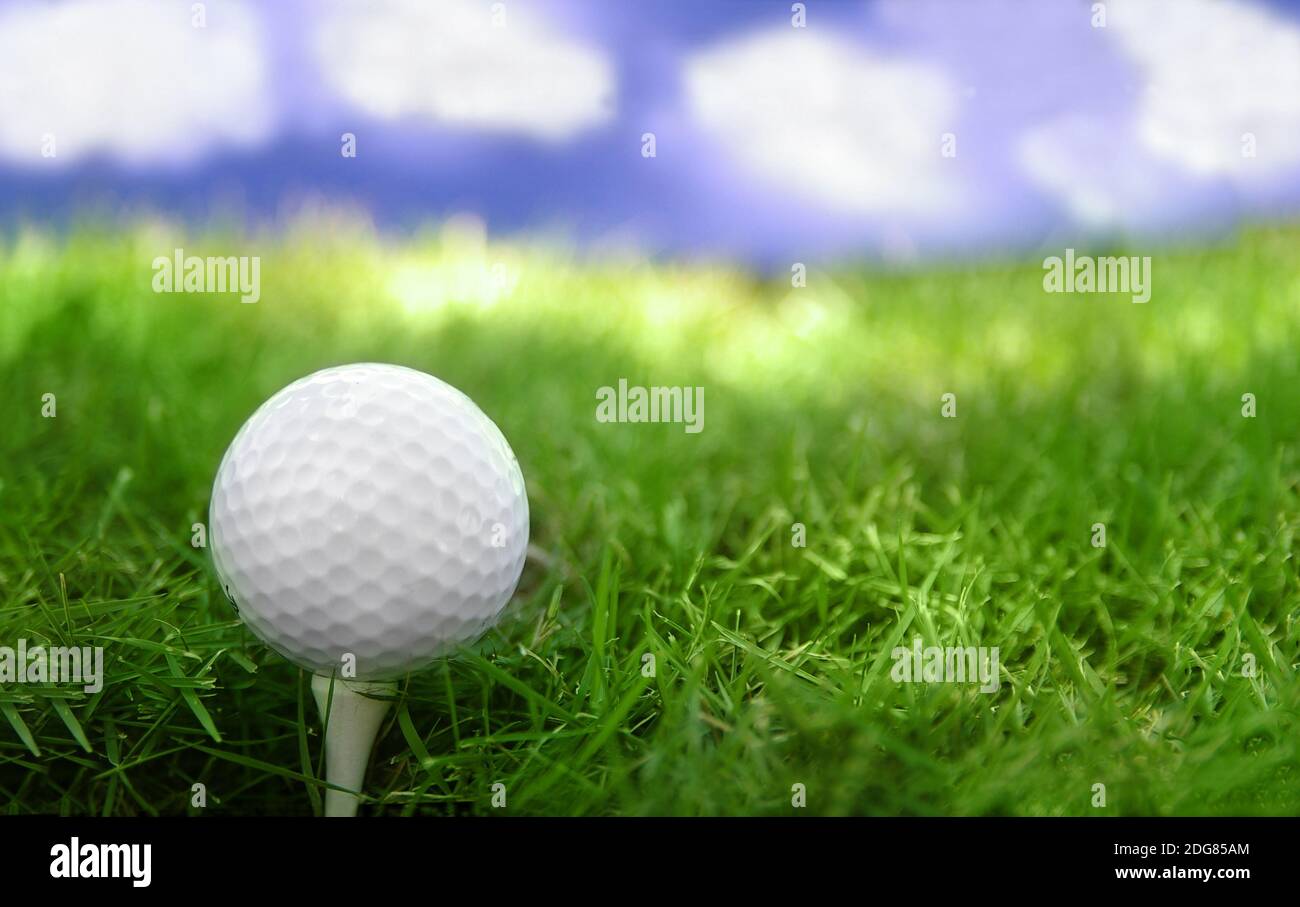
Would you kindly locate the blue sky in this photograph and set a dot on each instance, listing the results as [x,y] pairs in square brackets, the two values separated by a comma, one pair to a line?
[773,143]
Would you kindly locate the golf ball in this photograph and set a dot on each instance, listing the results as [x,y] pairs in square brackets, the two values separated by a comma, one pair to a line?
[369,512]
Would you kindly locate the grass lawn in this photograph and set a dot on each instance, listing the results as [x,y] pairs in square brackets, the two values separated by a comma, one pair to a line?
[1124,665]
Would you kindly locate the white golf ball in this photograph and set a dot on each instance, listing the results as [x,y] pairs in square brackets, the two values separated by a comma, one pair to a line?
[372,512]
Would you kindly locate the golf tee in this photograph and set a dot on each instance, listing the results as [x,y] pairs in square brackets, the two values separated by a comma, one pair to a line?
[351,715]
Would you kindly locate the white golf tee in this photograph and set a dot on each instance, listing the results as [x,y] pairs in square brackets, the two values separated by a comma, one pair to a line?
[355,710]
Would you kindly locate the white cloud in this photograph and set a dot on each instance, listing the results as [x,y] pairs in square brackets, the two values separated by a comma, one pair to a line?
[455,62]
[1214,70]
[829,120]
[132,79]
[1101,181]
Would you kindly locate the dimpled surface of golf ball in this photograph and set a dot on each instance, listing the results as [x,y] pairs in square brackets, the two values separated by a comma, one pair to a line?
[372,511]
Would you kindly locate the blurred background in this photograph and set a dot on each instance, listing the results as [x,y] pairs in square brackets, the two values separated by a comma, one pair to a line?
[879,129]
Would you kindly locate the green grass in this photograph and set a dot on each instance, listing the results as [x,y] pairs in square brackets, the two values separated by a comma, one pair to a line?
[1120,665]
